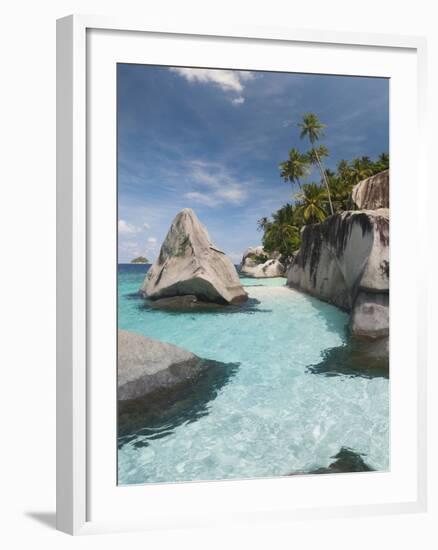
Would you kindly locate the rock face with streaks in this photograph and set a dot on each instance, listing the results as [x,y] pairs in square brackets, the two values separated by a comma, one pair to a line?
[372,193]
[345,261]
[189,264]
[259,264]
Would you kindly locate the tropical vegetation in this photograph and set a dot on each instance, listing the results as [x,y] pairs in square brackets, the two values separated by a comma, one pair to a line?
[313,201]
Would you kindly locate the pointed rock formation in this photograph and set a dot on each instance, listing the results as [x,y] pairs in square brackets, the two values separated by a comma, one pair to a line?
[190,265]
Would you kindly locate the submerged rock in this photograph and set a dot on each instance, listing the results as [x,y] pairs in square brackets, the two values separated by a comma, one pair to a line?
[372,193]
[345,261]
[189,264]
[259,264]
[357,357]
[346,461]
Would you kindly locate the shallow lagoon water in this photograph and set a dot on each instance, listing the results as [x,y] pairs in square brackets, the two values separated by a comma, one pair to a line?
[273,416]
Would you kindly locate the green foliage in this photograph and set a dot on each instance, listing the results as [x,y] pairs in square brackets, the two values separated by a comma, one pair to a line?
[315,201]
[312,204]
[281,232]
[295,167]
[258,258]
[348,174]
[311,128]
[316,154]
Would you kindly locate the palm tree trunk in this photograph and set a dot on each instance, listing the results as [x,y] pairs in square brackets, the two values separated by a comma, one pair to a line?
[325,181]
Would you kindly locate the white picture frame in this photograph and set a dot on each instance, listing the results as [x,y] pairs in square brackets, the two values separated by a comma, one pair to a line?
[75,215]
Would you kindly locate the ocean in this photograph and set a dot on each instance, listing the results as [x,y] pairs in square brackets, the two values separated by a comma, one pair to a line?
[273,413]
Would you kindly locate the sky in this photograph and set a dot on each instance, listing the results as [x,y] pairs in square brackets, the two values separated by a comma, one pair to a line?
[212,140]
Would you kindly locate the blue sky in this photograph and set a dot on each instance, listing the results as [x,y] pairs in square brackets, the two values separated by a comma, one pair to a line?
[212,140]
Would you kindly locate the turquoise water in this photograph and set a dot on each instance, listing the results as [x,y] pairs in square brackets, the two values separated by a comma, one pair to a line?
[272,416]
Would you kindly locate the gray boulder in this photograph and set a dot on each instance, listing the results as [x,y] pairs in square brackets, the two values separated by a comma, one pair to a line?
[146,366]
[372,193]
[260,264]
[345,261]
[189,264]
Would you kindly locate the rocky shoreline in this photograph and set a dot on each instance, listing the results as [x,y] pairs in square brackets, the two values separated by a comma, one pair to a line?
[345,260]
[258,263]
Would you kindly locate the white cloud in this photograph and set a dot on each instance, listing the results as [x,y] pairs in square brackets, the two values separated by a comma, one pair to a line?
[201,198]
[228,81]
[146,226]
[232,194]
[214,185]
[129,250]
[126,228]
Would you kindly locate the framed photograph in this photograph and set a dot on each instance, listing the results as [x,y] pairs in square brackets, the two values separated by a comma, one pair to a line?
[240,333]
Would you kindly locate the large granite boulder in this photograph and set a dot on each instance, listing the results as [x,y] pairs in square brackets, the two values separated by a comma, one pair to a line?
[372,193]
[162,384]
[189,264]
[145,366]
[260,264]
[345,261]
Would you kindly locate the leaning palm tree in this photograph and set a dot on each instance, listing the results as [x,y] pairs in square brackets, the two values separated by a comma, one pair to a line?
[312,203]
[295,168]
[340,191]
[316,154]
[312,128]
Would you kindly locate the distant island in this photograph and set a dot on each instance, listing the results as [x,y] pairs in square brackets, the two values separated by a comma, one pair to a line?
[140,260]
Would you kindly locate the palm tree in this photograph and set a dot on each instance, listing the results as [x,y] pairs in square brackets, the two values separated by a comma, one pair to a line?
[283,237]
[295,168]
[361,169]
[340,189]
[312,203]
[316,154]
[286,214]
[382,162]
[312,128]
[262,224]
[344,171]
